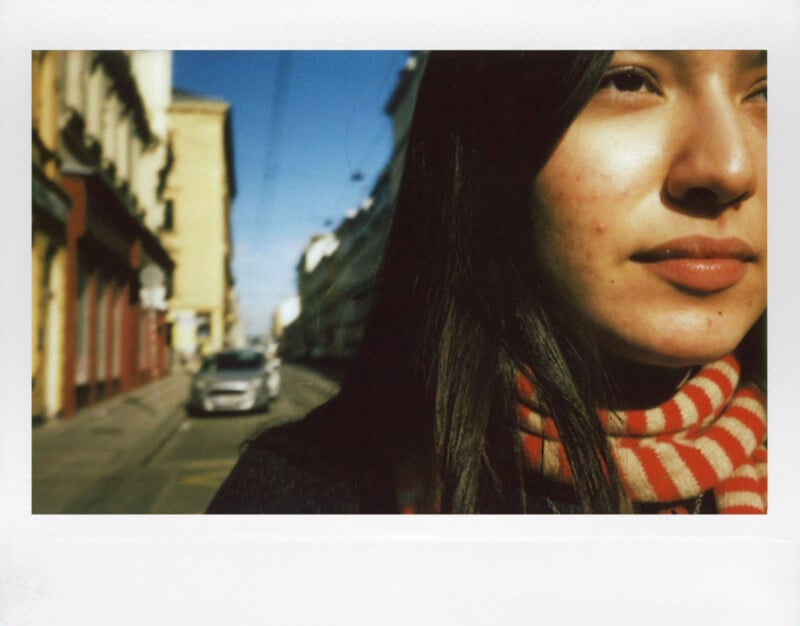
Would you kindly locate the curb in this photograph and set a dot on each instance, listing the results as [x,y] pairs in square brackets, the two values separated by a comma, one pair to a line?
[160,436]
[154,411]
[139,455]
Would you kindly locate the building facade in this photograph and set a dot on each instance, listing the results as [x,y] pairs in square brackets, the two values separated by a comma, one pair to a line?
[283,316]
[94,328]
[50,216]
[196,227]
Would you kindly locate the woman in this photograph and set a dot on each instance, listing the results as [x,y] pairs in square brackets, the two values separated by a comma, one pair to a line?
[570,314]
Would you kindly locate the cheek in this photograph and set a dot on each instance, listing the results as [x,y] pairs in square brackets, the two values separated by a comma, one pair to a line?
[603,171]
[587,195]
[588,203]
[573,184]
[575,255]
[576,224]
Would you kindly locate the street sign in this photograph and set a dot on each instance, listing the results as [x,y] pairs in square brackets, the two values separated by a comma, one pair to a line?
[153,291]
[151,276]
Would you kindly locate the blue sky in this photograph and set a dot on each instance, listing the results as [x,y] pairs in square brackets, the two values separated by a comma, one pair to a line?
[303,123]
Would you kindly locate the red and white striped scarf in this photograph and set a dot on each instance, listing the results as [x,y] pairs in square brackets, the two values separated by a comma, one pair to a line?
[710,435]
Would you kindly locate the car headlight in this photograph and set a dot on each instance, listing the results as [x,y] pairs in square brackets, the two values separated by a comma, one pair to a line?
[200,384]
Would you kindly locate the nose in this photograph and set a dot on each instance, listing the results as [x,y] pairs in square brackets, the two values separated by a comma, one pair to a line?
[714,163]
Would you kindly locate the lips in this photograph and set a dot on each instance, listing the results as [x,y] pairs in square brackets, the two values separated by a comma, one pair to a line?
[699,264]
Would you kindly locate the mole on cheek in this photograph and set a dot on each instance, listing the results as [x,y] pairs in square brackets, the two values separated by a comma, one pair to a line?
[600,228]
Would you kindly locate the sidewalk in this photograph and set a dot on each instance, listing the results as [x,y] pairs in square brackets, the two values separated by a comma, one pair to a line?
[72,456]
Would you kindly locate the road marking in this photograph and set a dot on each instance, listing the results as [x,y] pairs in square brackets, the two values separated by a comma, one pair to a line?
[205,464]
[208,479]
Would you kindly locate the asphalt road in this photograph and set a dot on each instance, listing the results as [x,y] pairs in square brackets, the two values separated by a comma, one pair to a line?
[182,476]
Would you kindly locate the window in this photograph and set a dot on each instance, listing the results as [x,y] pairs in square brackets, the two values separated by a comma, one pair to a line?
[233,361]
[82,327]
[101,302]
[169,216]
[120,293]
[203,324]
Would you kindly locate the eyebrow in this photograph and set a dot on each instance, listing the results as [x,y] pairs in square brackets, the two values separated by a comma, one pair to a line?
[757,58]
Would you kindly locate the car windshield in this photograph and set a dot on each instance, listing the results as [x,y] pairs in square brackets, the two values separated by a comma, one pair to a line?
[233,361]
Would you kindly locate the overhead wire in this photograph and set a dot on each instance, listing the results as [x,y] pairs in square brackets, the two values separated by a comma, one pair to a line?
[271,173]
[368,179]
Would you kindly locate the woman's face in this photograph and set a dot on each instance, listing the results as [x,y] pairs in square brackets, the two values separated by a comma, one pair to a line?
[651,212]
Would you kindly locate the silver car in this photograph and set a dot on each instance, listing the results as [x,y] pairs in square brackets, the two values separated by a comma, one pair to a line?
[231,380]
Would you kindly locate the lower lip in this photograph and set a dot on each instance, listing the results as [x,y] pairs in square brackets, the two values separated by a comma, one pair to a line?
[700,275]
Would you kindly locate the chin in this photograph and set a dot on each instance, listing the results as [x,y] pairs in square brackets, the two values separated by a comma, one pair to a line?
[679,350]
[687,357]
[680,339]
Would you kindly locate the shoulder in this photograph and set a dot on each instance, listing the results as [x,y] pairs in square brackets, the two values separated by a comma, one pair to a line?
[270,481]
[315,465]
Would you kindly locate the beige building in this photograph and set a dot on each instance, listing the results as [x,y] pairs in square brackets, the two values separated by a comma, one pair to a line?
[50,215]
[152,71]
[196,225]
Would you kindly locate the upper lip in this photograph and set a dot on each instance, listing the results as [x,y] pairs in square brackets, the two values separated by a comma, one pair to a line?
[698,247]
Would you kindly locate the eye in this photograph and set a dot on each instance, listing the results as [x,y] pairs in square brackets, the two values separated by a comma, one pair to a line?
[759,92]
[629,80]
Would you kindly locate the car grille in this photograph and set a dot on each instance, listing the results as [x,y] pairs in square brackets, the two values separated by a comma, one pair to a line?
[227,392]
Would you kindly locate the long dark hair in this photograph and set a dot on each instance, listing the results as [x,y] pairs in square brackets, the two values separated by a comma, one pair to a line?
[460,308]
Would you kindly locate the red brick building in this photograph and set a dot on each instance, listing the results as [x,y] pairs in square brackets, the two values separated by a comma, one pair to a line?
[112,167]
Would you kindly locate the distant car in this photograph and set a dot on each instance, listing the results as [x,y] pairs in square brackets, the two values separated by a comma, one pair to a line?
[232,381]
[273,377]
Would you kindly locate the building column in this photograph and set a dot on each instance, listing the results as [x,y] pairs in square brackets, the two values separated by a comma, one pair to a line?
[38,319]
[54,369]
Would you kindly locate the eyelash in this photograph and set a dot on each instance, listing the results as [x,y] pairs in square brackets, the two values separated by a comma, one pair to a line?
[648,81]
[759,91]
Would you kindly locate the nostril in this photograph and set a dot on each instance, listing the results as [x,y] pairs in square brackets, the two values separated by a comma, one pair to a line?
[700,196]
[704,200]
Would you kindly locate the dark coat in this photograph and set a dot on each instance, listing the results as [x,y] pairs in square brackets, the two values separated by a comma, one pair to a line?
[324,463]
[330,463]
[321,464]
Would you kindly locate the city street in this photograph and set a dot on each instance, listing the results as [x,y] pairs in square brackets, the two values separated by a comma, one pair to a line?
[186,467]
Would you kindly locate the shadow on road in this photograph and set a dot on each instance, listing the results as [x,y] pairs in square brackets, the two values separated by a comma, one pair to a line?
[333,369]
